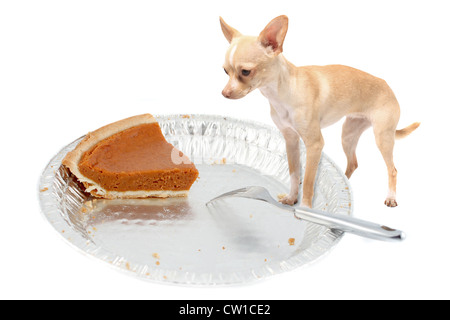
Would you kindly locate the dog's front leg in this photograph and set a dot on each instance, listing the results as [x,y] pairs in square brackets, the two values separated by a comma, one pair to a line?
[293,155]
[314,144]
[292,139]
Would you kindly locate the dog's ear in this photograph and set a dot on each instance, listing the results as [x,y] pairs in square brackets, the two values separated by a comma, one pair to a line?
[228,31]
[274,33]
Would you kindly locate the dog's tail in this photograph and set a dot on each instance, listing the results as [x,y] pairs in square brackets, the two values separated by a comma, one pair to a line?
[400,134]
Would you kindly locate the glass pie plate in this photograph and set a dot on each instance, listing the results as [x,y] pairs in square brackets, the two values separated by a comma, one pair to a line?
[182,241]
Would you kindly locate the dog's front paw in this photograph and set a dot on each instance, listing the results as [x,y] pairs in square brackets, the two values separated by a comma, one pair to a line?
[306,204]
[392,203]
[289,200]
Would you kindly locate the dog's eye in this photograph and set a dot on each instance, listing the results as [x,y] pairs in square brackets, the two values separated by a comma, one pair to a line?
[225,70]
[245,72]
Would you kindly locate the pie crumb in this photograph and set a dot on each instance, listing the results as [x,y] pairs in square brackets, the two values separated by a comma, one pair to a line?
[222,161]
[155,255]
[281,195]
[291,241]
[44,189]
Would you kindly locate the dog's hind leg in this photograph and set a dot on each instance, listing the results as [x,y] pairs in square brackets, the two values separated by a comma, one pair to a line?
[351,132]
[385,138]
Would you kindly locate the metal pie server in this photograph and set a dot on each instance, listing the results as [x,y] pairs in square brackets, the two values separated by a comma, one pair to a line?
[332,221]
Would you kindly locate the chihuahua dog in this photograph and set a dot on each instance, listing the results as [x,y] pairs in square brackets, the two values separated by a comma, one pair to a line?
[304,100]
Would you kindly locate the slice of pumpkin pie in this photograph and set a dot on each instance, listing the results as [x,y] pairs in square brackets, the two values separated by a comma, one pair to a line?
[131,158]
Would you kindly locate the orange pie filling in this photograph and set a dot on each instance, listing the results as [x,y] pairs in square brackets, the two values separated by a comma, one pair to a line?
[137,159]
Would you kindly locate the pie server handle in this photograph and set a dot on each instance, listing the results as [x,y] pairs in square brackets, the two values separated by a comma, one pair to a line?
[350,224]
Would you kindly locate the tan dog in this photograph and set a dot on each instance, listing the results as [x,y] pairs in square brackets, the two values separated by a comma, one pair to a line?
[305,99]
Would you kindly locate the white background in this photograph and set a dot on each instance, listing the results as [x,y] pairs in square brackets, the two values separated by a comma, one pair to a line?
[68,67]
